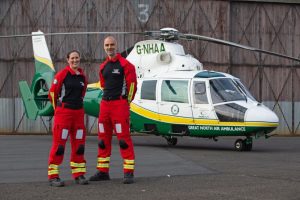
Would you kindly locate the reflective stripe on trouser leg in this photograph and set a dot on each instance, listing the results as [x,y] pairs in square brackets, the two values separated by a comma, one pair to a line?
[128,165]
[78,168]
[53,171]
[103,164]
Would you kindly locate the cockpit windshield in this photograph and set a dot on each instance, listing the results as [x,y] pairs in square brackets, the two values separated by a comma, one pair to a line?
[245,90]
[225,90]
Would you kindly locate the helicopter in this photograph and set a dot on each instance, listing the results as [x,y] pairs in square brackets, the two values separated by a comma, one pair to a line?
[176,97]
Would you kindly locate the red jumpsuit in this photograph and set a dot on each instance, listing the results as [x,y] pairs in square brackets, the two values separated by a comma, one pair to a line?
[118,81]
[66,95]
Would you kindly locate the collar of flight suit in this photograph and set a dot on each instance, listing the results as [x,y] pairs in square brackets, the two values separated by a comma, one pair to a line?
[73,72]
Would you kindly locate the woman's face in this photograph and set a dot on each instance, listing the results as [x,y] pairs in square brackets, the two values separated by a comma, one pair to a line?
[74,60]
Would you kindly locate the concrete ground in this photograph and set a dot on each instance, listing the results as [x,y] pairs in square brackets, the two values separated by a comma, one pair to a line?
[193,169]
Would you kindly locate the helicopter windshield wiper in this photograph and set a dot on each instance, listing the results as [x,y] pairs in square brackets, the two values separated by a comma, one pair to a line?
[170,87]
[241,90]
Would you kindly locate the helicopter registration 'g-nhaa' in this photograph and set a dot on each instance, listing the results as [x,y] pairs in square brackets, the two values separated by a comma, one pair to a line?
[175,96]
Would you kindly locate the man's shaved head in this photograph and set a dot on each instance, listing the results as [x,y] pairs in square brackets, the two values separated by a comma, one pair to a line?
[110,46]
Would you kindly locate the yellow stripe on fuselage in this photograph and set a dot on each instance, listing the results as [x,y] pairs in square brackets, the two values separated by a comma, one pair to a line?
[45,61]
[190,121]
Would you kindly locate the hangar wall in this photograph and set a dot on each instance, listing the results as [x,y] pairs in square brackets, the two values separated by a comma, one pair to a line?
[263,24]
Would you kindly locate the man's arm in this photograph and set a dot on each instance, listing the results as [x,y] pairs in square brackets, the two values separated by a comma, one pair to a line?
[131,81]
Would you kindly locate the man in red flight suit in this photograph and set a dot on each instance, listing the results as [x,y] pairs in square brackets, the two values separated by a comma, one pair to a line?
[66,95]
[118,81]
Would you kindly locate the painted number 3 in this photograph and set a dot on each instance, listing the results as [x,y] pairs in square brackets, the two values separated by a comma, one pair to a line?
[143,15]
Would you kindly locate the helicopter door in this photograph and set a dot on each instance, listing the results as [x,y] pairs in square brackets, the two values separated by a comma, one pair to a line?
[174,106]
[202,108]
[147,101]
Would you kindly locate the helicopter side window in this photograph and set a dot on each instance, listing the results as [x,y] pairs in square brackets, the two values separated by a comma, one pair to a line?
[175,91]
[224,90]
[148,90]
[200,96]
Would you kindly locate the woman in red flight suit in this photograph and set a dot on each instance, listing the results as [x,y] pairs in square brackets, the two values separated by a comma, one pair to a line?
[66,95]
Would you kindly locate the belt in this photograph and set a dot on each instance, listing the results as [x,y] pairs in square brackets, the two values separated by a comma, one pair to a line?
[70,106]
[111,98]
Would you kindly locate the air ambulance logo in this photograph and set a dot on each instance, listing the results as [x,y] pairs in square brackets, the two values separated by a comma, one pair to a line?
[174,109]
[116,71]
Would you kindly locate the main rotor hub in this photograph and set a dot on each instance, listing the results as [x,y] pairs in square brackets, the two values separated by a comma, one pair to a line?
[169,34]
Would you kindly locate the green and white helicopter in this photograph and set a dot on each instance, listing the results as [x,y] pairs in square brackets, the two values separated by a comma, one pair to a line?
[176,97]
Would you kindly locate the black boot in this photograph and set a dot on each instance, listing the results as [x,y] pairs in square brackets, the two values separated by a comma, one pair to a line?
[100,176]
[128,178]
[56,182]
[81,180]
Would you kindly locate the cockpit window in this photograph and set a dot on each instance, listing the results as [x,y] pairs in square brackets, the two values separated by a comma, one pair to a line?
[148,90]
[224,90]
[175,91]
[200,95]
[245,90]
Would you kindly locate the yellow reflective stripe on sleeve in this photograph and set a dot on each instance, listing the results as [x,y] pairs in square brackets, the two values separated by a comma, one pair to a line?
[128,161]
[128,166]
[103,165]
[53,100]
[53,166]
[131,89]
[73,164]
[52,172]
[77,170]
[107,159]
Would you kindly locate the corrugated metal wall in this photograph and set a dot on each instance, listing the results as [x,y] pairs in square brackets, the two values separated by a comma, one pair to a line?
[270,26]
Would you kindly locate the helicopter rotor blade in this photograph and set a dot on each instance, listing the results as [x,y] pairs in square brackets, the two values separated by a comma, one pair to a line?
[73,33]
[164,34]
[227,43]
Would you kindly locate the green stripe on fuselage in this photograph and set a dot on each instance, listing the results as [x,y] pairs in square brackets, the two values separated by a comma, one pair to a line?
[199,128]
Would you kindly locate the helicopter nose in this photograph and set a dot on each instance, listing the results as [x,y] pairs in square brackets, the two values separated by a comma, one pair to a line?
[261,113]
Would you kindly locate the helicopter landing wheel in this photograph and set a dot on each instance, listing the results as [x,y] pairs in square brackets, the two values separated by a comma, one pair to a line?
[239,145]
[172,141]
[243,145]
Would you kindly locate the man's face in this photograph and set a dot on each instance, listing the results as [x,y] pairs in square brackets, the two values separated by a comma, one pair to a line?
[110,46]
